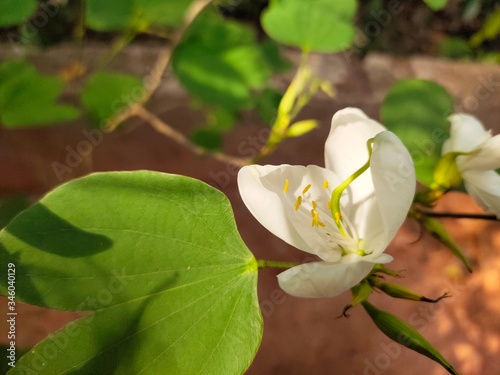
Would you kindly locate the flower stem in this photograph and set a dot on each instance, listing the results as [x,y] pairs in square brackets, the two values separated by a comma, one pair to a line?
[261,263]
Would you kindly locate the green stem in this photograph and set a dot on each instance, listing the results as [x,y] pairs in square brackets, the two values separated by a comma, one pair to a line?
[337,192]
[261,263]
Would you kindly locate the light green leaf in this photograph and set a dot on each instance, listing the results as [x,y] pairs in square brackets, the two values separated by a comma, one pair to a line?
[397,330]
[13,12]
[106,94]
[220,62]
[158,261]
[436,4]
[209,138]
[417,110]
[315,25]
[28,99]
[490,29]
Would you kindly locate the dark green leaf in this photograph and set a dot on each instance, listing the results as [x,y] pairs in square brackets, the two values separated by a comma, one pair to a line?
[13,12]
[417,110]
[315,25]
[210,139]
[158,261]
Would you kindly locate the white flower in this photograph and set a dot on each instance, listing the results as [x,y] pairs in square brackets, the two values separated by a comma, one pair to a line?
[293,202]
[482,157]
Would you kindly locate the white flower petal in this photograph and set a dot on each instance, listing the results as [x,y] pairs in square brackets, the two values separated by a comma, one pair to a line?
[261,188]
[394,179]
[466,134]
[486,157]
[346,150]
[326,280]
[484,187]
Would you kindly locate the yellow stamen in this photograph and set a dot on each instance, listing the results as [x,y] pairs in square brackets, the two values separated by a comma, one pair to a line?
[321,224]
[315,220]
[337,217]
[325,184]
[287,184]
[306,189]
[314,205]
[329,205]
[298,203]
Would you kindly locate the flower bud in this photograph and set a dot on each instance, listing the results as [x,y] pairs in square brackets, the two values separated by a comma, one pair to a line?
[446,173]
[397,330]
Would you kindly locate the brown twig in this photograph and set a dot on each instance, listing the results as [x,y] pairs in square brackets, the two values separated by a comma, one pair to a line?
[161,65]
[161,127]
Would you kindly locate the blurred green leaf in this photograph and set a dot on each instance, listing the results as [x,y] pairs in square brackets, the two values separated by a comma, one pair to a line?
[397,330]
[157,261]
[436,4]
[221,119]
[115,15]
[272,54]
[10,206]
[28,99]
[105,94]
[13,12]
[490,29]
[210,139]
[267,104]
[220,62]
[416,111]
[454,48]
[315,25]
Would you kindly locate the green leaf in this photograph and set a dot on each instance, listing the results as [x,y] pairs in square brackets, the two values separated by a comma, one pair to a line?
[116,15]
[436,4]
[29,99]
[13,12]
[455,48]
[220,62]
[416,111]
[490,29]
[397,330]
[267,104]
[157,259]
[10,206]
[210,139]
[106,94]
[109,15]
[315,25]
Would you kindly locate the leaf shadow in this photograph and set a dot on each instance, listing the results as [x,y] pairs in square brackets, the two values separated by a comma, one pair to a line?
[41,228]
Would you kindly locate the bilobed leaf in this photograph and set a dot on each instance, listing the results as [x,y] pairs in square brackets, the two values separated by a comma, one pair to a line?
[13,12]
[105,94]
[416,111]
[314,25]
[220,62]
[158,261]
[399,331]
[29,99]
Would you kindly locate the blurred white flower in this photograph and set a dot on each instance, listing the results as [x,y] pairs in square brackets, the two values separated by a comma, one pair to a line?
[477,157]
[348,232]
